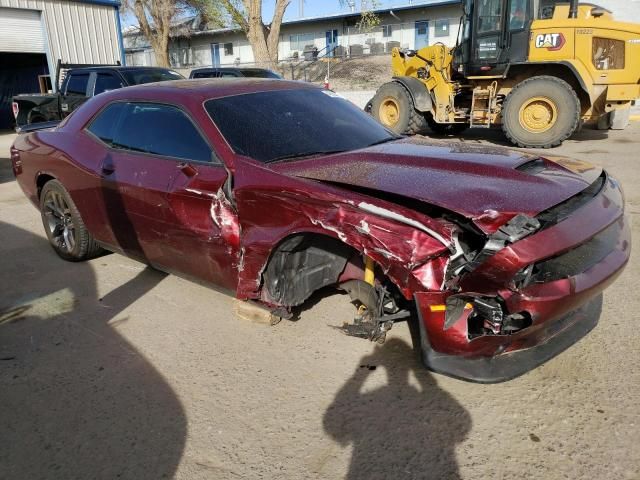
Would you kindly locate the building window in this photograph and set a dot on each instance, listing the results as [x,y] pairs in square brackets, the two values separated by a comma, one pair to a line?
[228,49]
[387,31]
[300,40]
[442,28]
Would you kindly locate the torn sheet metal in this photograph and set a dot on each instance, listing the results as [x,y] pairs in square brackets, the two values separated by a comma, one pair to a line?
[396,242]
[226,219]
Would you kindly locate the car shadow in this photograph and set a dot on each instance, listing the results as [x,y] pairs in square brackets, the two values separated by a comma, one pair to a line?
[495,136]
[403,429]
[6,171]
[78,400]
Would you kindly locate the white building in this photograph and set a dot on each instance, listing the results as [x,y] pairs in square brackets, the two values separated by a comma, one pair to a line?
[35,34]
[412,25]
[416,25]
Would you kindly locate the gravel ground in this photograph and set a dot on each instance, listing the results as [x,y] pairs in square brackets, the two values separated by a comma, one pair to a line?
[111,370]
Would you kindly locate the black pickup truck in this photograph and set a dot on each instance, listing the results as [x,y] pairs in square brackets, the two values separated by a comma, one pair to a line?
[80,84]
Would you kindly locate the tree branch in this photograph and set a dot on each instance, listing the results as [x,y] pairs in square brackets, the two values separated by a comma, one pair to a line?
[236,14]
[273,39]
[141,15]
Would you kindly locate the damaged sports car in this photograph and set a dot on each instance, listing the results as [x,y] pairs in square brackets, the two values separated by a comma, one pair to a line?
[275,189]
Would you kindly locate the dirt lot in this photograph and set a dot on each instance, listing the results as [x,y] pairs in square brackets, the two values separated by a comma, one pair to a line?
[111,370]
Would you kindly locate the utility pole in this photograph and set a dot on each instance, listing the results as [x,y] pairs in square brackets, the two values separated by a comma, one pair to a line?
[300,8]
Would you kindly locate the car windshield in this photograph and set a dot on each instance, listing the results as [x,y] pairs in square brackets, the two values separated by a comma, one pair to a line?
[258,73]
[288,124]
[137,77]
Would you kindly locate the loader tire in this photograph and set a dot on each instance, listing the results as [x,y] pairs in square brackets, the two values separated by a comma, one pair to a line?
[393,107]
[540,112]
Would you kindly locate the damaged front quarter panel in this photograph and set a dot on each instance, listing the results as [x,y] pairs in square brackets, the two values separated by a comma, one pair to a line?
[409,248]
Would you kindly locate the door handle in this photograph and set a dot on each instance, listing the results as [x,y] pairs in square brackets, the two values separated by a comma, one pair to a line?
[108,168]
[188,169]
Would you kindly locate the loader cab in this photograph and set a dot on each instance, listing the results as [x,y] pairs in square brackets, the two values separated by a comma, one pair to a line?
[495,33]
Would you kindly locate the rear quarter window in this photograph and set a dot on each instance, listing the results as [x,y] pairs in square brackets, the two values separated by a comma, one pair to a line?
[104,124]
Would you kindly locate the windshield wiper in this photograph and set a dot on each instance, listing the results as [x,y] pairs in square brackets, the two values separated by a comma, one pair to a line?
[294,156]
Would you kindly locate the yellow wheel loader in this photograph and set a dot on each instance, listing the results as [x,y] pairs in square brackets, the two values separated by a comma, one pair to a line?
[538,68]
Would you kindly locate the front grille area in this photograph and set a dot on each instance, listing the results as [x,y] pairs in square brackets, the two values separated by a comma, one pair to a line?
[579,259]
[566,208]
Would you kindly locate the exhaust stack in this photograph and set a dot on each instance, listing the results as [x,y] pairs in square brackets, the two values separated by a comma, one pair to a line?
[573,9]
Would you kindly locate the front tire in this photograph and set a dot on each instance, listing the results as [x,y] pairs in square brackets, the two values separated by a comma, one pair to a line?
[541,112]
[393,107]
[63,224]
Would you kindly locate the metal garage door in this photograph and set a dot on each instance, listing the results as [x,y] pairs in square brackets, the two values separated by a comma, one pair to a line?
[21,31]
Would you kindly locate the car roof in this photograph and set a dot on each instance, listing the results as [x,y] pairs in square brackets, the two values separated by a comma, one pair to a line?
[116,67]
[206,88]
[234,69]
[213,69]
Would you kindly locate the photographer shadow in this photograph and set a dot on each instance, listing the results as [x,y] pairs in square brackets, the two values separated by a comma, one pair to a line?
[402,430]
[79,400]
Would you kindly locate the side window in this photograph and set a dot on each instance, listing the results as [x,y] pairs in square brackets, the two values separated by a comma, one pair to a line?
[104,125]
[209,74]
[77,84]
[161,130]
[608,54]
[489,16]
[105,82]
[517,14]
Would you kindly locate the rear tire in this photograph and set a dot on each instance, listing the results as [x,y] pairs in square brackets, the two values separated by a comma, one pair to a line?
[541,112]
[63,224]
[393,107]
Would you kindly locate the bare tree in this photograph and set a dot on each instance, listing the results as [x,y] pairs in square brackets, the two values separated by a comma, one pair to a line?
[247,14]
[155,18]
[368,18]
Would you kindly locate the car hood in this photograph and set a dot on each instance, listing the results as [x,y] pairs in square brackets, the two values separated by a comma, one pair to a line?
[489,185]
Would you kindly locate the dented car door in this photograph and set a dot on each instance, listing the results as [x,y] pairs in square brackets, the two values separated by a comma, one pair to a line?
[204,224]
[160,181]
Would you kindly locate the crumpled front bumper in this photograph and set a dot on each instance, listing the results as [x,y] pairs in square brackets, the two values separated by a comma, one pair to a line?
[555,337]
[562,311]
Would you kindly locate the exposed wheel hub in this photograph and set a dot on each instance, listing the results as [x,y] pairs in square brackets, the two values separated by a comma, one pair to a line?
[59,221]
[538,114]
[389,112]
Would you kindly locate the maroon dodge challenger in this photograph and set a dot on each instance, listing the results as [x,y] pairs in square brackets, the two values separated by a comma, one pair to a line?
[275,189]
